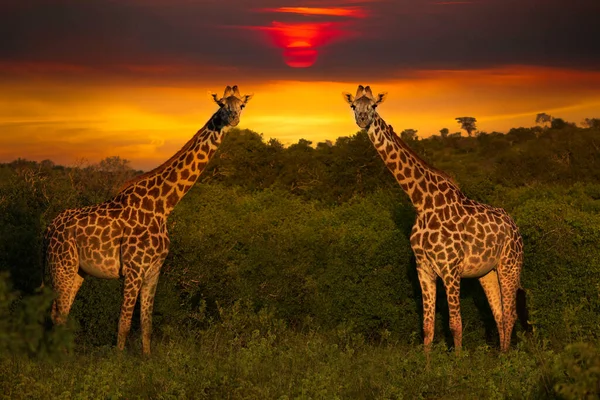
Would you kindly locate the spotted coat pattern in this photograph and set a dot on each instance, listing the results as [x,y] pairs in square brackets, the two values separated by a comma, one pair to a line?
[453,237]
[126,237]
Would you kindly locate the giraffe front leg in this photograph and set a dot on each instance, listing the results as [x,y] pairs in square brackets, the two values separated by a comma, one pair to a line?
[427,280]
[452,285]
[146,306]
[133,283]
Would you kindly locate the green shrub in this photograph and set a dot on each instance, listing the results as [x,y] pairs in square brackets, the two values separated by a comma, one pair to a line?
[23,323]
[577,372]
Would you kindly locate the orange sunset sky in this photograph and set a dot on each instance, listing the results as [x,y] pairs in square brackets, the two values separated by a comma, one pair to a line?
[87,80]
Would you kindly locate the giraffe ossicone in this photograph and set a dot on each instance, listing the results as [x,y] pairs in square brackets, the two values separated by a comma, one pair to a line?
[453,237]
[126,236]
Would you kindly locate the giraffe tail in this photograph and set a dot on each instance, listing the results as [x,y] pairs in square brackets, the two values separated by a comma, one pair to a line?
[522,311]
[44,262]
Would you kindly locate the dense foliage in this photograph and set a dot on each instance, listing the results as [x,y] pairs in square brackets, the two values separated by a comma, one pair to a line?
[290,274]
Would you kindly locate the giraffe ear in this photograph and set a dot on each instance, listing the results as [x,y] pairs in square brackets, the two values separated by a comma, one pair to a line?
[348,97]
[216,98]
[246,98]
[381,98]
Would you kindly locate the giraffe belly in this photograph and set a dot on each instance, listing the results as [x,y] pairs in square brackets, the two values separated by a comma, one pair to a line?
[476,270]
[101,264]
[477,264]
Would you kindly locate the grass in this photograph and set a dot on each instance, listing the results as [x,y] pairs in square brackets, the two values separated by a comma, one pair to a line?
[264,359]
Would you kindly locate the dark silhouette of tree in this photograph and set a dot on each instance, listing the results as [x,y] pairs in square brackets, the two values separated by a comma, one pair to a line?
[409,135]
[559,123]
[468,124]
[444,132]
[591,123]
[542,119]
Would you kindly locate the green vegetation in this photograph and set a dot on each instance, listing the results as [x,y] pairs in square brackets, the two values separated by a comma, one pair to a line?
[291,276]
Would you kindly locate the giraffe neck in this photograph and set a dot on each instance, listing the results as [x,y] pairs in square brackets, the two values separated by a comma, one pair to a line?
[427,187]
[160,189]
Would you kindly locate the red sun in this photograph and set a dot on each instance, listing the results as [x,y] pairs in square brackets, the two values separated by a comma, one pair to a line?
[300,41]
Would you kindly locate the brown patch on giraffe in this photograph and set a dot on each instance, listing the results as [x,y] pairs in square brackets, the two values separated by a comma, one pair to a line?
[172,176]
[159,206]
[140,190]
[166,188]
[418,173]
[439,200]
[134,201]
[426,243]
[428,205]
[154,192]
[482,218]
[172,199]
[434,223]
[415,239]
[417,196]
[147,204]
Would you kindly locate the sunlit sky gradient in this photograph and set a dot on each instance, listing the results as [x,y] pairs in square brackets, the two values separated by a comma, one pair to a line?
[87,80]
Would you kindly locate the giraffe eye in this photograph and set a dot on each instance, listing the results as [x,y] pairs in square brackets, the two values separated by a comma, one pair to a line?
[353,107]
[242,106]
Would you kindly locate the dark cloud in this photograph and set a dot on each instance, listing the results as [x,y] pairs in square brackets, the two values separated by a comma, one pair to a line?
[192,39]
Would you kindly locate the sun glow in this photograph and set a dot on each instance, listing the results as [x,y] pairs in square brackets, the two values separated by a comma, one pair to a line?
[300,41]
[65,123]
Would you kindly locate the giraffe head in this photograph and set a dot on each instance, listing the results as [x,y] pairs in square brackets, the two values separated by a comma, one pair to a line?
[364,104]
[231,105]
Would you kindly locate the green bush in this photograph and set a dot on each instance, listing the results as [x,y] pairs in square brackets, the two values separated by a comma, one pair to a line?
[562,262]
[577,372]
[23,323]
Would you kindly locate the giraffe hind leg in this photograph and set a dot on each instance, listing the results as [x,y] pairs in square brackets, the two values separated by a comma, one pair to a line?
[491,287]
[133,283]
[147,294]
[427,281]
[509,284]
[66,283]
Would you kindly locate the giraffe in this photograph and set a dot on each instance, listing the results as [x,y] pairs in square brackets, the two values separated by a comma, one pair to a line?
[453,236]
[126,236]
